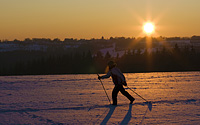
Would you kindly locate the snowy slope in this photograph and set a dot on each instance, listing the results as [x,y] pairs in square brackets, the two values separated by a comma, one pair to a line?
[80,99]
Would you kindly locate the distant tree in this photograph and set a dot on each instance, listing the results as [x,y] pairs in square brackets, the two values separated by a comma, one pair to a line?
[111,38]
[177,49]
[186,51]
[27,40]
[138,51]
[129,52]
[193,52]
[89,56]
[163,50]
[107,56]
[99,54]
[15,40]
[68,40]
[117,57]
[133,52]
[145,52]
[56,40]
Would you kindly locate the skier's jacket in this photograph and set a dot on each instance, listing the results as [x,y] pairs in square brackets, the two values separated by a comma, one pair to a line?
[117,76]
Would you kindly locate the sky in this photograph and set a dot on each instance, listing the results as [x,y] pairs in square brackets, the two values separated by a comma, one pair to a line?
[86,19]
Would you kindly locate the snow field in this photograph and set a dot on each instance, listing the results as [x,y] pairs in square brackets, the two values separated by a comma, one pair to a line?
[80,99]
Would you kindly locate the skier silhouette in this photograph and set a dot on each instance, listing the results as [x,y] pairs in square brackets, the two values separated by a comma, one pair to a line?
[119,80]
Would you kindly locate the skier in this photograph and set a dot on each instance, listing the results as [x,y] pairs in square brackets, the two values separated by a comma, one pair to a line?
[119,80]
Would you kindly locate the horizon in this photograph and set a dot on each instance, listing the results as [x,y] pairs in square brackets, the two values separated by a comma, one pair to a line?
[93,19]
[4,40]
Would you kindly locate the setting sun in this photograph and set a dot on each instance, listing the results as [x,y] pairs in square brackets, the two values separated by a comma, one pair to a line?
[148,28]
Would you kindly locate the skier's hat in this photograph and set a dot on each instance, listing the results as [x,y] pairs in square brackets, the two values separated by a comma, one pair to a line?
[111,64]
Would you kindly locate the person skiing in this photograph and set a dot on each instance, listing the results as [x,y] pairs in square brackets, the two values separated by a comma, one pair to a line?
[119,80]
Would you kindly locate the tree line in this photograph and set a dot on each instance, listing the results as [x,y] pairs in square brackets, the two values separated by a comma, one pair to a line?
[24,62]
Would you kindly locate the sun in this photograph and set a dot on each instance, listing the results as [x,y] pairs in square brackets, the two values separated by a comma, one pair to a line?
[148,28]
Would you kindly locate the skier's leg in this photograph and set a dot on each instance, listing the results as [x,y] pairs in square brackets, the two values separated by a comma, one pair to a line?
[114,94]
[125,93]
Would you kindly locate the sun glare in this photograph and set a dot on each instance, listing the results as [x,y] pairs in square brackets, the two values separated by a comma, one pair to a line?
[148,28]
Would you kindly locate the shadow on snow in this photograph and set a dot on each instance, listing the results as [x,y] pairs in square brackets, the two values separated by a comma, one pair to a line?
[188,101]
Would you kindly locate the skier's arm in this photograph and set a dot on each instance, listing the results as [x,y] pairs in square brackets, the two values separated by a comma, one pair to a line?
[105,76]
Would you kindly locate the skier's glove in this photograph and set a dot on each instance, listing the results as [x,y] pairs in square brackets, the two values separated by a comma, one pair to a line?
[124,83]
[99,77]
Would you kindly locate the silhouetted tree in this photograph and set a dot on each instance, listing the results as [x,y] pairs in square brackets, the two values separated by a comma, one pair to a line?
[107,56]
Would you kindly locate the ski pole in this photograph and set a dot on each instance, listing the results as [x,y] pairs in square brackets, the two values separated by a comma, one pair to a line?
[149,103]
[137,94]
[104,89]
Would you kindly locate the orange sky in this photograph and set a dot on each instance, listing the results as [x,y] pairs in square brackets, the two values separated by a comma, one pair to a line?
[22,19]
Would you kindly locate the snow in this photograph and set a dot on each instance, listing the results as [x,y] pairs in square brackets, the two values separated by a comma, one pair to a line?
[112,51]
[80,99]
[5,47]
